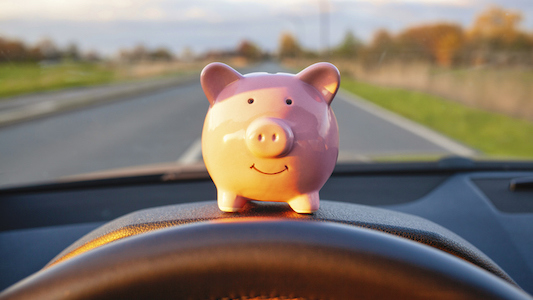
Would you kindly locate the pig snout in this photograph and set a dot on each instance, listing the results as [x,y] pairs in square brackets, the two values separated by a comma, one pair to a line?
[269,137]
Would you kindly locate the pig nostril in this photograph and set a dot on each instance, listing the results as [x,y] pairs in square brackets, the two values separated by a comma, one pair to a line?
[260,137]
[275,137]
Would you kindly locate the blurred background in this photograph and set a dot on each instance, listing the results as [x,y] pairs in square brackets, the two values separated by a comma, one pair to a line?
[463,68]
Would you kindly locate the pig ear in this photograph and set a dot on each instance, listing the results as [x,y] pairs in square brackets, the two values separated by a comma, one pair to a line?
[215,77]
[324,77]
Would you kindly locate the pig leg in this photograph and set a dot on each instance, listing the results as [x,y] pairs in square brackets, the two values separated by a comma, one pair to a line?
[230,202]
[306,203]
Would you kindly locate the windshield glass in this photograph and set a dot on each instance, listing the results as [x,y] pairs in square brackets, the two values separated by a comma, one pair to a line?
[89,86]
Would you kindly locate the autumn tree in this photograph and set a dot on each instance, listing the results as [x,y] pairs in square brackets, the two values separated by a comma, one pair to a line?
[12,50]
[381,43]
[495,37]
[437,43]
[289,46]
[448,46]
[382,40]
[497,27]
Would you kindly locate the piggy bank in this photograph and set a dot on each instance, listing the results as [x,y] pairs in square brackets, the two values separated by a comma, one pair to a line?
[270,137]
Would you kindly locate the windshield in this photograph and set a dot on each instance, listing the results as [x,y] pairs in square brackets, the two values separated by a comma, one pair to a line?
[89,86]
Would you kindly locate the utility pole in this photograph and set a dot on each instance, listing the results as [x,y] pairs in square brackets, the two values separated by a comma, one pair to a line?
[323,6]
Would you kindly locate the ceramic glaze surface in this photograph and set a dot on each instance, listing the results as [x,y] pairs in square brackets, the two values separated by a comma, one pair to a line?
[270,137]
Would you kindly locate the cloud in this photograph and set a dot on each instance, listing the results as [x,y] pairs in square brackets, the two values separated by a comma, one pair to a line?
[163,10]
[108,25]
[428,2]
[82,10]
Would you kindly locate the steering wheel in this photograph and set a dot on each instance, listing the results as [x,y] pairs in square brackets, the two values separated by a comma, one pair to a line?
[264,257]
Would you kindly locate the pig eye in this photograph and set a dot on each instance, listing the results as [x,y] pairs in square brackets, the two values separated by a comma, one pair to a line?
[288,101]
[250,101]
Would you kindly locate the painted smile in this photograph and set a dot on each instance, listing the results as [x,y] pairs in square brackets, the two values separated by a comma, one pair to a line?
[285,169]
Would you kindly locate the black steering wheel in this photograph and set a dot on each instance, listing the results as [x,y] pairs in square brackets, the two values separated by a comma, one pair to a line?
[264,257]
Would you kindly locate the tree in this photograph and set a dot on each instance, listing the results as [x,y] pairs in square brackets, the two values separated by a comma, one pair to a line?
[496,26]
[435,42]
[495,37]
[139,53]
[448,46]
[71,52]
[162,54]
[382,42]
[349,47]
[289,46]
[12,50]
[48,49]
[92,56]
[249,50]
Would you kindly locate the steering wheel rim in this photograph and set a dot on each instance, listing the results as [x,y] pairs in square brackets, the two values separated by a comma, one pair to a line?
[266,257]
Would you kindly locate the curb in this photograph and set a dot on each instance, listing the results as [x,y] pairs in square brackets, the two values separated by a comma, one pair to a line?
[93,95]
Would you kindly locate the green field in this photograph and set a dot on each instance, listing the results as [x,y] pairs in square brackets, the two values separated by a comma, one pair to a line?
[23,78]
[495,135]
[20,78]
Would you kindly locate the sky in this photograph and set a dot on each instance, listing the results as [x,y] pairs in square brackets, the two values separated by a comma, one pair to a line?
[109,25]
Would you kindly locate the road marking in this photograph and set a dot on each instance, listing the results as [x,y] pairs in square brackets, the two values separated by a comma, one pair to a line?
[193,154]
[347,156]
[27,112]
[413,127]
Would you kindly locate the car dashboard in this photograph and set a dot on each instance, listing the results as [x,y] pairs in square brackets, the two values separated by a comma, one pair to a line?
[470,200]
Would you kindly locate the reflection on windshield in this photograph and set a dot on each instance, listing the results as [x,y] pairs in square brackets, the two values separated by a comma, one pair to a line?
[92,87]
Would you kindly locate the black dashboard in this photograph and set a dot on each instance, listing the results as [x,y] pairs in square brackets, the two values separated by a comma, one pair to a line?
[37,223]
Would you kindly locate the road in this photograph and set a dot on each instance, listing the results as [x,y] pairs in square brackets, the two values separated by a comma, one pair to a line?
[165,126]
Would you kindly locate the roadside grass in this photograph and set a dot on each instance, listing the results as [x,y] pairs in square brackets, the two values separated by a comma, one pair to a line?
[501,89]
[20,78]
[23,78]
[495,135]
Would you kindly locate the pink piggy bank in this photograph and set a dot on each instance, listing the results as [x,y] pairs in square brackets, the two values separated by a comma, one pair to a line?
[270,137]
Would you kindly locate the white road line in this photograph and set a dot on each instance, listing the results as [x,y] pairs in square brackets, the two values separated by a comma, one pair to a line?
[27,112]
[352,157]
[407,124]
[192,154]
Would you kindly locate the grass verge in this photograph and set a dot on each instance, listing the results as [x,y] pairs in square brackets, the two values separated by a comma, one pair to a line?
[495,135]
[20,78]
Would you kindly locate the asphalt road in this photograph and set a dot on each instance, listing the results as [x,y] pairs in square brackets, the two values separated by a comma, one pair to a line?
[166,125]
